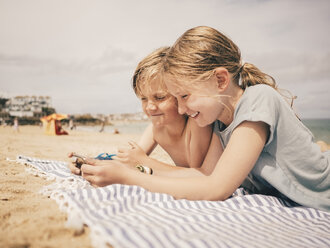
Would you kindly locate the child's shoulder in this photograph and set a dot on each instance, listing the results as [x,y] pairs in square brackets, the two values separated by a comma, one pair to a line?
[259,98]
[261,89]
[261,92]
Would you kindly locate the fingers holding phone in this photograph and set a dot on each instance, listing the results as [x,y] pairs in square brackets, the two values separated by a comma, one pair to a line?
[77,162]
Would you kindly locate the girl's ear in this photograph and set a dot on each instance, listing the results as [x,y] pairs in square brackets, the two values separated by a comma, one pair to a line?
[223,78]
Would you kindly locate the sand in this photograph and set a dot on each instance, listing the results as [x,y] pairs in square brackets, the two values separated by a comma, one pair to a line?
[27,218]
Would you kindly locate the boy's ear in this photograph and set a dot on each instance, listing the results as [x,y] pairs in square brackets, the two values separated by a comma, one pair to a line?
[222,77]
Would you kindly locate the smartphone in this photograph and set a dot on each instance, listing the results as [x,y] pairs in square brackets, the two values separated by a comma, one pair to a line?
[79,160]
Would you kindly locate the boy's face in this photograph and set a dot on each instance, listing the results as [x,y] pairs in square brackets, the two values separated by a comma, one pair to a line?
[159,106]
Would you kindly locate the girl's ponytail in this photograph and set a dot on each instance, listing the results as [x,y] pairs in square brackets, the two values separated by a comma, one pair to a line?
[251,75]
[200,50]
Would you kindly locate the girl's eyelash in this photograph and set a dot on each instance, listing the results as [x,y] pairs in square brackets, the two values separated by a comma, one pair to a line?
[184,96]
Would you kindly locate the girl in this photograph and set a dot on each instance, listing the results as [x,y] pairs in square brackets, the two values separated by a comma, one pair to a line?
[263,139]
[180,137]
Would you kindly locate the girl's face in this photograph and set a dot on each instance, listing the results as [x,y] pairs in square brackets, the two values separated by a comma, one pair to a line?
[160,107]
[201,106]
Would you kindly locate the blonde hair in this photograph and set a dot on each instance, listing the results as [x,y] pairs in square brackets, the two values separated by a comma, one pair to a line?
[200,50]
[148,70]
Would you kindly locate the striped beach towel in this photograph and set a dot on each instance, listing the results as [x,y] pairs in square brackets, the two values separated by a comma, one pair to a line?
[130,216]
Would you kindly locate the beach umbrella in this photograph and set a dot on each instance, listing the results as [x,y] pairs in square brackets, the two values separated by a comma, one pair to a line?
[50,125]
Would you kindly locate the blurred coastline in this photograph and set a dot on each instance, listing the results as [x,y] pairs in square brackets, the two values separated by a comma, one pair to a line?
[319,127]
[27,110]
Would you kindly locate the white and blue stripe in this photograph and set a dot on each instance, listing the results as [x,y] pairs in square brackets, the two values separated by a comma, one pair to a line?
[130,216]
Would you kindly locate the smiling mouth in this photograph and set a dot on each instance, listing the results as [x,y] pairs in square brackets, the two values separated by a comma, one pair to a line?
[194,115]
[156,115]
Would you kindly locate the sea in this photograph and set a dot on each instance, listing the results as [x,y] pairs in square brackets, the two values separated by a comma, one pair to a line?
[319,127]
[122,127]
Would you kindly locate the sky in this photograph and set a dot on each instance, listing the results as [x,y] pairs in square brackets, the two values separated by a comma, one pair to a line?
[83,53]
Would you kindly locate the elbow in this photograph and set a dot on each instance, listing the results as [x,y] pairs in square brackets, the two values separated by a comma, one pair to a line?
[219,198]
[216,197]
[203,197]
[217,192]
[206,189]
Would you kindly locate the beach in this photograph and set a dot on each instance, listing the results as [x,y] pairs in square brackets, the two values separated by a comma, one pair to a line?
[28,218]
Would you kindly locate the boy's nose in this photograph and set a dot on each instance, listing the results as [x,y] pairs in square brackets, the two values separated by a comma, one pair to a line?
[151,106]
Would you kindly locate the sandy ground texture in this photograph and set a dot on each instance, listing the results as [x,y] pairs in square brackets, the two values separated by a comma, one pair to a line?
[27,218]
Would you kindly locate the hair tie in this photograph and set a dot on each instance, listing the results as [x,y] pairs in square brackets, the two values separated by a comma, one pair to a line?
[240,80]
[241,68]
[240,75]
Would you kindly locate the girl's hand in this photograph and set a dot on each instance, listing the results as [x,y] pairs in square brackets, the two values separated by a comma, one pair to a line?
[102,175]
[75,165]
[75,170]
[132,156]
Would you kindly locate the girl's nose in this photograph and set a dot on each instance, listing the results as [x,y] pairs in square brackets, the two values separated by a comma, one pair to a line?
[181,108]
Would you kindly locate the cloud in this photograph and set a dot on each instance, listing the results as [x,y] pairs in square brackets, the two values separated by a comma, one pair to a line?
[112,60]
[295,67]
[90,85]
[81,51]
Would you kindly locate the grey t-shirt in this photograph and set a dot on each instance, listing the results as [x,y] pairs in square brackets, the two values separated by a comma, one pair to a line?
[290,162]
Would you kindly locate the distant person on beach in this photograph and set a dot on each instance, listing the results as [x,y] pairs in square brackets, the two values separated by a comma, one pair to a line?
[16,125]
[266,148]
[102,127]
[59,129]
[71,124]
[184,141]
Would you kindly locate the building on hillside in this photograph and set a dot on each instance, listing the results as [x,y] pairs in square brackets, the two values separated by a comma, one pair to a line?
[27,106]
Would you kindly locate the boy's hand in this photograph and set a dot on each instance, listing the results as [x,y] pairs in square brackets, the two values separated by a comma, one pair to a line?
[132,155]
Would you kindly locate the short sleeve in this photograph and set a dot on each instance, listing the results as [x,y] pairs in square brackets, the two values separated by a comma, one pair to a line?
[258,103]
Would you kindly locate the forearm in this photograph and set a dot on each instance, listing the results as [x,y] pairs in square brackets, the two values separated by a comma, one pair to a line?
[200,187]
[162,169]
[191,188]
